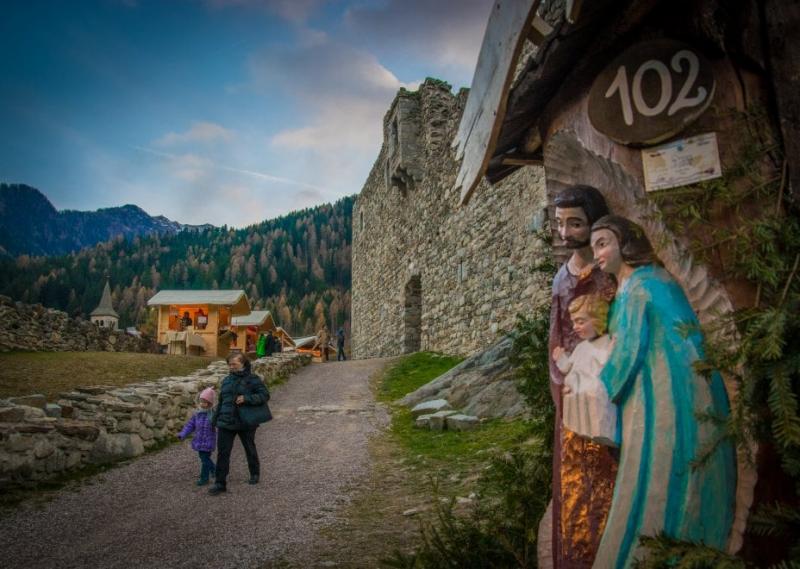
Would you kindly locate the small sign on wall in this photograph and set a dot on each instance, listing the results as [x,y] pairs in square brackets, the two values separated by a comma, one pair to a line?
[681,162]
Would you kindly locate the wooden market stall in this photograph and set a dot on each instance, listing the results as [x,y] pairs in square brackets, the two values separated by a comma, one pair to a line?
[199,321]
[287,342]
[307,345]
[248,328]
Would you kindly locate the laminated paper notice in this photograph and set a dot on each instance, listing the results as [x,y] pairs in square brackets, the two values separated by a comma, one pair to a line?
[681,162]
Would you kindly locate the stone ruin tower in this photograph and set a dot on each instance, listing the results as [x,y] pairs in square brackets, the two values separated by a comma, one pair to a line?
[104,315]
[428,273]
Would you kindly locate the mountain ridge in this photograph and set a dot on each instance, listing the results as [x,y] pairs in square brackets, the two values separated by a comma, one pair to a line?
[31,225]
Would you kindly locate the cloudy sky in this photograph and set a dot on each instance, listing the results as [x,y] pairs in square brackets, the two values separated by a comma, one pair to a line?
[219,111]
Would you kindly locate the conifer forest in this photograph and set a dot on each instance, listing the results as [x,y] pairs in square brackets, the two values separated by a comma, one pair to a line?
[297,266]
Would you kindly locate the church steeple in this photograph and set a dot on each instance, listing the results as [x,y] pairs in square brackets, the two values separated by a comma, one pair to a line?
[105,309]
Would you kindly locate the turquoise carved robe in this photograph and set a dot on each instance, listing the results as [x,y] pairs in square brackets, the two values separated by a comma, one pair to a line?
[650,376]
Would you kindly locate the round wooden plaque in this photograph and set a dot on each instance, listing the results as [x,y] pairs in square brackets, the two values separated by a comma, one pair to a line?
[651,92]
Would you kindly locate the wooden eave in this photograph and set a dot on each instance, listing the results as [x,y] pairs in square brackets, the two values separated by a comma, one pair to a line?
[571,48]
[479,127]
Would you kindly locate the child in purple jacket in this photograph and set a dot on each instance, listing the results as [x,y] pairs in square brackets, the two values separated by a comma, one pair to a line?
[205,435]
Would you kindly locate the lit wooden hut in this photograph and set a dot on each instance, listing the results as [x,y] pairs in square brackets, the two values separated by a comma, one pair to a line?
[248,328]
[199,321]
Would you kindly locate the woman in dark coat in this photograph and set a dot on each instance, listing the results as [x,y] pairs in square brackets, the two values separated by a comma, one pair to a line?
[242,407]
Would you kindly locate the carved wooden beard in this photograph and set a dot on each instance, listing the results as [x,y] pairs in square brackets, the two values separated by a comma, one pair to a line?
[570,243]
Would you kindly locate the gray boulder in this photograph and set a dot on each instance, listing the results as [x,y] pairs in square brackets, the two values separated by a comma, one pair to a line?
[36,400]
[482,385]
[52,410]
[436,421]
[423,421]
[428,407]
[118,446]
[12,414]
[461,422]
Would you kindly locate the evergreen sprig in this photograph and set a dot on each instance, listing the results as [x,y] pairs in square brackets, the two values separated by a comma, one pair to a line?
[755,347]
[667,553]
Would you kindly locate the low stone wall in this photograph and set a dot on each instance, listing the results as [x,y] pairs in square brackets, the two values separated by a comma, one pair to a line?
[97,424]
[32,327]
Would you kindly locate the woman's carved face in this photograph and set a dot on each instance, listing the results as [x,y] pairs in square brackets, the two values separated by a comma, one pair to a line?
[606,251]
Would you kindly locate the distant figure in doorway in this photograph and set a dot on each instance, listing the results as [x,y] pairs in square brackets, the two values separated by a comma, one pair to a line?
[242,408]
[323,340]
[205,435]
[340,345]
[186,321]
[201,319]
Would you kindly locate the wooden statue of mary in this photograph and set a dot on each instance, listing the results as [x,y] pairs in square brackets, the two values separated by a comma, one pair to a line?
[650,376]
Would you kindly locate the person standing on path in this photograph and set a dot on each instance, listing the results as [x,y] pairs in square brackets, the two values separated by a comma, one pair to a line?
[340,346]
[242,407]
[205,436]
[261,346]
[323,339]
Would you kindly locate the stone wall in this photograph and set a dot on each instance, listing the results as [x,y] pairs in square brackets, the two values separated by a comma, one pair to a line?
[32,327]
[96,424]
[429,273]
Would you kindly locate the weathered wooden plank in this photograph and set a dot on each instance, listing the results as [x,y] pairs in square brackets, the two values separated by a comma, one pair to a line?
[480,124]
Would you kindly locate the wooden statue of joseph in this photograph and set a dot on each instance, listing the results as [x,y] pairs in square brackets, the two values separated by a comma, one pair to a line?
[583,471]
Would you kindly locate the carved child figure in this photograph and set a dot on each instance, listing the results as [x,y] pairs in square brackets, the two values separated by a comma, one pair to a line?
[587,410]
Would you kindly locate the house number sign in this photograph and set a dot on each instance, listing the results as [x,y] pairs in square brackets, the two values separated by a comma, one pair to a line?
[651,92]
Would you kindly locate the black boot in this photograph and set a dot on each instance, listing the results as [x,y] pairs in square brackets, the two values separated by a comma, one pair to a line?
[253,479]
[217,488]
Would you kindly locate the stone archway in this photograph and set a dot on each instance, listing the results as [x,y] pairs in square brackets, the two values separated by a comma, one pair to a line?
[412,315]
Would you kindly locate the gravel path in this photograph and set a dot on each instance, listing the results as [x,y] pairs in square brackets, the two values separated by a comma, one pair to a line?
[149,513]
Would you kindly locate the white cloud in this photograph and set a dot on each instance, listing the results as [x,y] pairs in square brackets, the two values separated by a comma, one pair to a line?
[342,94]
[199,132]
[198,189]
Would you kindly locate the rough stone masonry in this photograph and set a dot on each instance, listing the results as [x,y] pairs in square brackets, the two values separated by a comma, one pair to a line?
[428,273]
[32,327]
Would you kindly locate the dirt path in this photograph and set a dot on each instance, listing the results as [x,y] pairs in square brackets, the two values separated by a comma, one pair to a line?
[149,513]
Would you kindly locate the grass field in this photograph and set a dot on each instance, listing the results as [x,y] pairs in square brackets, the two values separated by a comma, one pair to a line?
[50,373]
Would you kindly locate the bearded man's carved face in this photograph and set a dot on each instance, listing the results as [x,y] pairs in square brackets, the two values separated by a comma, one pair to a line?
[573,227]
